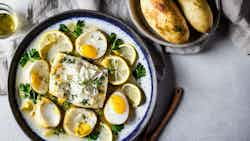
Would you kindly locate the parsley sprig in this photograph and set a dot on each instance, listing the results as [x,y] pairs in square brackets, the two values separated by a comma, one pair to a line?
[30,55]
[27,92]
[139,71]
[77,30]
[114,42]
[116,128]
[93,136]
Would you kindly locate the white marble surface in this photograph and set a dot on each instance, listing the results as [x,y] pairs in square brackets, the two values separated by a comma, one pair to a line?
[216,104]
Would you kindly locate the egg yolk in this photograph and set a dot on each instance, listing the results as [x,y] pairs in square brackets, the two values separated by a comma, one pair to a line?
[36,80]
[88,51]
[83,129]
[118,104]
[27,106]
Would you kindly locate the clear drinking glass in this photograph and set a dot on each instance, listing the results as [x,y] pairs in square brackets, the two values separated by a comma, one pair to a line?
[8,26]
[8,21]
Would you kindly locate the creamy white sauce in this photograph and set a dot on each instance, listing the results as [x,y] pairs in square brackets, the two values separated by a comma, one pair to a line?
[23,77]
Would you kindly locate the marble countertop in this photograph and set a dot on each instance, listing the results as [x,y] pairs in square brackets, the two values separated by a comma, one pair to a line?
[215,106]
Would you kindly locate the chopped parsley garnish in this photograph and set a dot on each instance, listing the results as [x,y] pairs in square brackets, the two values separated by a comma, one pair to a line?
[68,60]
[77,30]
[117,128]
[93,136]
[58,131]
[27,92]
[93,82]
[24,88]
[24,59]
[139,71]
[30,55]
[114,42]
[33,54]
[98,81]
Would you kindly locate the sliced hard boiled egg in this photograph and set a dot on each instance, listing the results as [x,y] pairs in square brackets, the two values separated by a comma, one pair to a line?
[53,42]
[116,110]
[91,45]
[39,76]
[47,114]
[79,121]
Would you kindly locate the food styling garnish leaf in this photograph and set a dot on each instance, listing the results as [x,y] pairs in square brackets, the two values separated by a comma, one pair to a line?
[116,128]
[24,59]
[33,54]
[77,30]
[27,92]
[139,71]
[114,42]
[30,55]
[93,136]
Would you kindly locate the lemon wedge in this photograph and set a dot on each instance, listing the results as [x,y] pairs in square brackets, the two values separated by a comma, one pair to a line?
[53,42]
[133,93]
[127,51]
[118,68]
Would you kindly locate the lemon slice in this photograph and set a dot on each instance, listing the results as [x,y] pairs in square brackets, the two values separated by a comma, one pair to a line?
[127,51]
[53,42]
[119,71]
[105,133]
[133,93]
[47,114]
[39,76]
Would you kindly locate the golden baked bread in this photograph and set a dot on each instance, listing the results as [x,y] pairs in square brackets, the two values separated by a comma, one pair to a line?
[198,14]
[165,18]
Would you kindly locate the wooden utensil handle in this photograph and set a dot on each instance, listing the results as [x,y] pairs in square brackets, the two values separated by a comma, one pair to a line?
[175,102]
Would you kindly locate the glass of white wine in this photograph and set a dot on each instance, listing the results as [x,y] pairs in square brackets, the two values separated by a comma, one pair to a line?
[8,21]
[8,26]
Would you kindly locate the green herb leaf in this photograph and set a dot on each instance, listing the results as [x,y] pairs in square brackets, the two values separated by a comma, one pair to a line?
[78,29]
[116,44]
[112,38]
[33,96]
[63,28]
[58,131]
[117,128]
[24,59]
[30,55]
[93,135]
[25,88]
[98,81]
[140,71]
[33,54]
[27,92]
